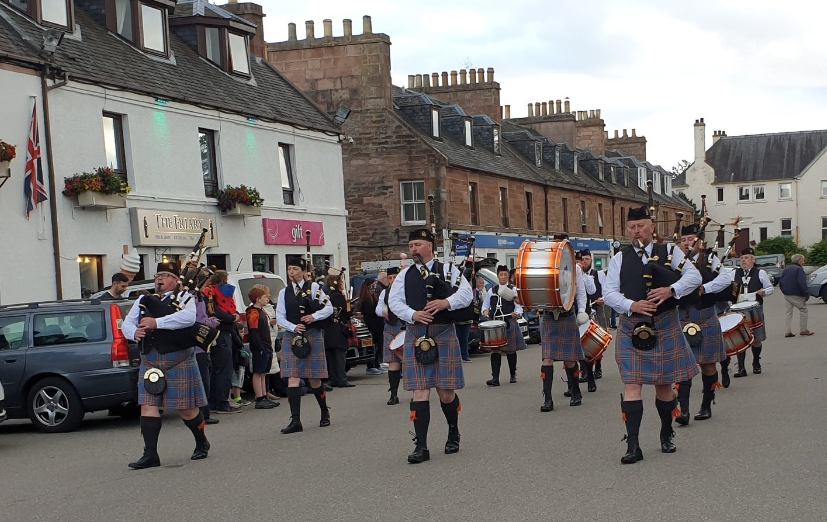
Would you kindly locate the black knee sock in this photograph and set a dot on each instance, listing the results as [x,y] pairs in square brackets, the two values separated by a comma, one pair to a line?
[321,398]
[512,363]
[632,416]
[394,376]
[294,397]
[598,365]
[451,411]
[725,365]
[684,389]
[421,417]
[574,379]
[150,429]
[496,364]
[196,426]
[756,354]
[665,409]
[742,360]
[547,374]
[710,382]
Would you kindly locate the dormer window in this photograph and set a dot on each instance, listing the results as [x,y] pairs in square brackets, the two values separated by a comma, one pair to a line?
[496,132]
[56,13]
[600,174]
[144,24]
[153,29]
[435,122]
[469,140]
[614,175]
[576,161]
[538,154]
[625,176]
[556,158]
[239,59]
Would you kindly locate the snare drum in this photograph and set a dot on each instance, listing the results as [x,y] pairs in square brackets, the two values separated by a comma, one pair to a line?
[594,339]
[751,312]
[545,275]
[493,334]
[398,344]
[737,335]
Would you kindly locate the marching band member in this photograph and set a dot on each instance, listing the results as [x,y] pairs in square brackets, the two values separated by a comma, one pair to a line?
[584,262]
[561,342]
[711,349]
[670,360]
[753,285]
[596,301]
[392,328]
[422,296]
[500,299]
[301,311]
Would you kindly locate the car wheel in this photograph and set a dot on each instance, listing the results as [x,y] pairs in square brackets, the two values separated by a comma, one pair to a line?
[823,293]
[54,406]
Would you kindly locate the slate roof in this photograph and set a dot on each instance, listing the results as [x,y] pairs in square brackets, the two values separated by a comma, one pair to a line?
[764,157]
[187,8]
[102,58]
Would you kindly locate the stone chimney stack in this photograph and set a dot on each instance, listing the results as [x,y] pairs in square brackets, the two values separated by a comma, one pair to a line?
[700,140]
[717,135]
[472,89]
[254,14]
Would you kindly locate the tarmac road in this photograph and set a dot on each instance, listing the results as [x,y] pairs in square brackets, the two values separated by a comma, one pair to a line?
[761,457]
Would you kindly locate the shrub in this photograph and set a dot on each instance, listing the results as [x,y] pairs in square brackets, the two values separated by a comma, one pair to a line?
[779,245]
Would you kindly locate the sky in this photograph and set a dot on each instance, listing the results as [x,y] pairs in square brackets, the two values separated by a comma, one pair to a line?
[746,67]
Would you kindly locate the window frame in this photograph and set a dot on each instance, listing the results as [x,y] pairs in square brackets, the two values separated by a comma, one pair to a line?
[538,154]
[211,186]
[601,173]
[824,188]
[24,338]
[565,205]
[412,202]
[741,189]
[137,25]
[34,10]
[823,228]
[600,227]
[763,234]
[614,174]
[230,67]
[556,158]
[468,131]
[436,131]
[164,28]
[584,217]
[763,193]
[719,195]
[495,131]
[781,188]
[790,229]
[504,207]
[286,158]
[474,202]
[529,210]
[120,144]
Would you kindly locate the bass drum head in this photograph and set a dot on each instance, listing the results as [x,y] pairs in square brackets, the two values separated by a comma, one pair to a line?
[567,275]
[730,321]
[398,341]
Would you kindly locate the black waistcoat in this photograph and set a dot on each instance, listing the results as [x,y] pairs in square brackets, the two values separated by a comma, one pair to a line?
[754,282]
[506,306]
[415,292]
[292,304]
[161,343]
[598,290]
[632,283]
[392,319]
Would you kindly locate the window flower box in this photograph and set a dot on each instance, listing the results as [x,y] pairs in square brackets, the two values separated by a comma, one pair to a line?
[90,199]
[100,188]
[243,210]
[240,201]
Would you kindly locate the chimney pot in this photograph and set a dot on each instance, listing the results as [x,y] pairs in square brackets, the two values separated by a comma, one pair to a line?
[606,134]
[473,74]
[328,28]
[508,112]
[481,75]
[453,77]
[625,134]
[634,133]
[426,81]
[411,80]
[545,109]
[463,77]
[348,25]
[418,81]
[367,25]
[490,75]
[530,110]
[560,107]
[616,134]
[551,106]
[702,120]
[591,114]
[291,32]
[537,108]
[568,107]
[435,79]
[597,113]
[310,30]
[444,78]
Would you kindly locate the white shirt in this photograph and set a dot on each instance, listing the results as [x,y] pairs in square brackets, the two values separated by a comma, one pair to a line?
[750,296]
[486,305]
[580,297]
[380,306]
[180,319]
[689,281]
[721,282]
[281,311]
[588,281]
[398,302]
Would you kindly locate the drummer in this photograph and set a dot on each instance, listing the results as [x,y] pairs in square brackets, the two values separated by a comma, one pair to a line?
[595,300]
[393,326]
[753,285]
[560,338]
[499,304]
[587,373]
[711,349]
[670,360]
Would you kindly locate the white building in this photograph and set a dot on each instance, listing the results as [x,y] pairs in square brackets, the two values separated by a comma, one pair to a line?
[776,183]
[176,104]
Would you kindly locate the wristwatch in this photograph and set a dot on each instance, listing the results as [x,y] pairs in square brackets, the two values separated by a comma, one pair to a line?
[672,291]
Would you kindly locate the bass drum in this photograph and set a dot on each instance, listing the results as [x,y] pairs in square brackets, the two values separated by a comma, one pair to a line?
[545,275]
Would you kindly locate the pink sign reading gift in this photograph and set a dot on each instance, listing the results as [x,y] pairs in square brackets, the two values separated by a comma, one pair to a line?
[292,232]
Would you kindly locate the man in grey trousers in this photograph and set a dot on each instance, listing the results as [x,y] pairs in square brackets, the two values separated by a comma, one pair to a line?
[793,285]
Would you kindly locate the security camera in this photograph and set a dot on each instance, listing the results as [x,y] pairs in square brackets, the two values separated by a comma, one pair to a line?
[349,139]
[430,197]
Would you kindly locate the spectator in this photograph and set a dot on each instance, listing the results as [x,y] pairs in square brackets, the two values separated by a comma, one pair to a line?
[261,346]
[381,282]
[367,305]
[118,288]
[202,357]
[276,387]
[335,333]
[221,305]
[793,285]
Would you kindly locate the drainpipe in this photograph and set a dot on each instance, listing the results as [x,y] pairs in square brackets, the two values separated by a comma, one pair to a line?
[44,71]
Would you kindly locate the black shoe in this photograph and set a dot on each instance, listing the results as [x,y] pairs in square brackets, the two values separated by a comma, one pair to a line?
[295,426]
[147,461]
[420,455]
[393,400]
[264,404]
[211,421]
[567,393]
[201,451]
[725,378]
[576,398]
[328,387]
[513,379]
[740,373]
[325,421]
[548,405]
[598,374]
[667,444]
[452,446]
[346,384]
[683,419]
[592,387]
[633,454]
[703,414]
[756,367]
[493,382]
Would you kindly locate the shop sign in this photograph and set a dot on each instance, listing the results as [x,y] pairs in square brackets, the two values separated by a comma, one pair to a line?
[168,228]
[292,232]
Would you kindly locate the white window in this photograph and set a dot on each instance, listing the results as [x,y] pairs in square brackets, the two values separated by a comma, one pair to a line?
[239,62]
[641,178]
[614,175]
[785,191]
[824,189]
[55,11]
[656,180]
[556,158]
[758,193]
[600,171]
[823,228]
[468,135]
[668,180]
[538,154]
[153,27]
[743,193]
[213,37]
[576,162]
[435,122]
[496,139]
[720,195]
[123,18]
[413,202]
[787,227]
[286,168]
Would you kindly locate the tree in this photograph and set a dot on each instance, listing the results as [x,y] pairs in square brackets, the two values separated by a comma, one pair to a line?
[679,168]
[688,201]
[779,245]
[818,254]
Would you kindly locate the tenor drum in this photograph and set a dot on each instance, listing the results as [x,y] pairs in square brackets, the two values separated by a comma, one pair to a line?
[737,335]
[493,334]
[751,312]
[398,344]
[545,275]
[594,339]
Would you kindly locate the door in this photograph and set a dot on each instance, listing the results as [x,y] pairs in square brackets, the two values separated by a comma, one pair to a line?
[14,340]
[742,242]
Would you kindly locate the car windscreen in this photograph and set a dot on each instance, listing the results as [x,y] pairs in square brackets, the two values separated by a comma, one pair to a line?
[245,285]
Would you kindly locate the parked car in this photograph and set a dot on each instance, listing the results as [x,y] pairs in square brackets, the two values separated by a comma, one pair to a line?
[772,264]
[817,283]
[361,349]
[62,359]
[2,401]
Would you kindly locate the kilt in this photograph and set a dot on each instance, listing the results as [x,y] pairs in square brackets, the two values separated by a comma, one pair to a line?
[670,362]
[760,333]
[185,391]
[515,338]
[388,334]
[314,366]
[561,338]
[446,373]
[712,349]
[600,316]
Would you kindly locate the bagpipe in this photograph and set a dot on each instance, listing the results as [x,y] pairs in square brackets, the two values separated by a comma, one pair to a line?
[309,303]
[189,283]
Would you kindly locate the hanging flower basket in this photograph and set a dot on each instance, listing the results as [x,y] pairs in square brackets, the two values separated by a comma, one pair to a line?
[240,201]
[7,152]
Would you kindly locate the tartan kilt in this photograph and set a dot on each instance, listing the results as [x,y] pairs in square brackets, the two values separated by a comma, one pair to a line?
[712,349]
[446,373]
[185,390]
[671,361]
[387,336]
[760,333]
[314,366]
[561,338]
[600,316]
[515,338]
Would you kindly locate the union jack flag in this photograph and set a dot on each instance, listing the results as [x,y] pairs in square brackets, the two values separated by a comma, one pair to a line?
[33,188]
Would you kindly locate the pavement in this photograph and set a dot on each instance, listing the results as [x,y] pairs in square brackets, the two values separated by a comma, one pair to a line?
[761,457]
